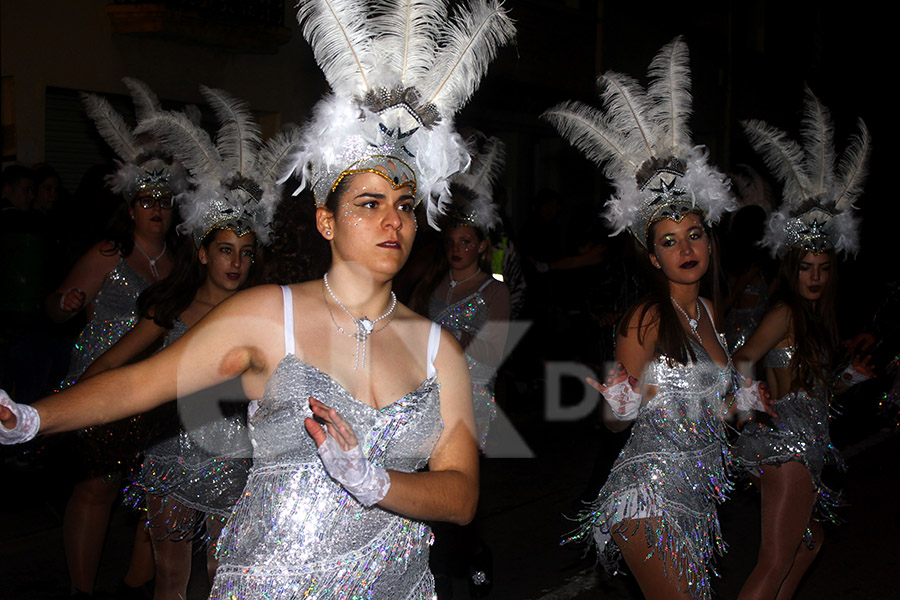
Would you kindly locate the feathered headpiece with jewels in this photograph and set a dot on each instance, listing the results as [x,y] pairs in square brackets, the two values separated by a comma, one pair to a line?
[817,210]
[643,141]
[472,191]
[235,180]
[399,71]
[143,165]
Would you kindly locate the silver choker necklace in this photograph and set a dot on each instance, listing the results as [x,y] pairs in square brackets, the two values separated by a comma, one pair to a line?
[694,324]
[152,261]
[364,326]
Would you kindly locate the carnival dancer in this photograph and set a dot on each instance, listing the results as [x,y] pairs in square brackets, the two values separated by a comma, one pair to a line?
[797,343]
[657,509]
[106,282]
[381,390]
[196,467]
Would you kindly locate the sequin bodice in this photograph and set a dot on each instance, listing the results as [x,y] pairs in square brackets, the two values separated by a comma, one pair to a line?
[115,312]
[296,533]
[400,436]
[469,315]
[779,357]
[686,412]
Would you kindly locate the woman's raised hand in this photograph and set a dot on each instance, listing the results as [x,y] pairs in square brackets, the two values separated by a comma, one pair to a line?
[343,457]
[621,391]
[72,300]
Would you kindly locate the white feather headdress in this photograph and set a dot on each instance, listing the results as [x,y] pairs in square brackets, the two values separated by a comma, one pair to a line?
[643,141]
[399,71]
[472,191]
[236,179]
[817,209]
[142,164]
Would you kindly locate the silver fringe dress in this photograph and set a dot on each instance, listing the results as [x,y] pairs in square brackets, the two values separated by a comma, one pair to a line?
[470,315]
[113,447]
[297,533]
[198,459]
[800,433]
[671,474]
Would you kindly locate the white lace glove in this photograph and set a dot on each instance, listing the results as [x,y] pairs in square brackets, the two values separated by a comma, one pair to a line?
[747,397]
[367,482]
[28,422]
[623,400]
[850,376]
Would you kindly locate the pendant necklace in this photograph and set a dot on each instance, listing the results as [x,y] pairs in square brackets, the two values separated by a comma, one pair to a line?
[694,324]
[454,283]
[152,261]
[364,326]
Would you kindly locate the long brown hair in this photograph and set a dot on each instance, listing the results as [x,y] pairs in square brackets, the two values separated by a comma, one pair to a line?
[671,342]
[814,324]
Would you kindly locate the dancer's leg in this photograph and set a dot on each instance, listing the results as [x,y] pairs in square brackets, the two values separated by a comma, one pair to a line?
[85,521]
[171,553]
[650,572]
[788,496]
[802,561]
[141,566]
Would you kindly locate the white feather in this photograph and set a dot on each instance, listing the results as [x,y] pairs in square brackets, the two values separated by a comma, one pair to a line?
[145,101]
[783,156]
[410,34]
[853,168]
[187,142]
[341,37]
[670,93]
[111,127]
[468,46]
[817,133]
[586,128]
[628,106]
[238,139]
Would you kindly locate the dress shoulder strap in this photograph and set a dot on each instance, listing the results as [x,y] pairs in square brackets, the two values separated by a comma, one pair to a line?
[713,321]
[288,320]
[434,342]
[489,281]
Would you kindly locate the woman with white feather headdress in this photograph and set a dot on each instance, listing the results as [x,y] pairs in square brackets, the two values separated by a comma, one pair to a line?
[657,508]
[195,466]
[106,282]
[382,392]
[797,343]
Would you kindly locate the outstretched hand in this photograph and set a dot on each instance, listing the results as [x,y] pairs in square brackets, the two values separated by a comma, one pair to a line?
[19,423]
[621,391]
[7,417]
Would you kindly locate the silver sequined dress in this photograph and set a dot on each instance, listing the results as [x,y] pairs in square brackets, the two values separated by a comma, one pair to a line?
[740,323]
[296,533]
[470,315]
[114,447]
[800,433]
[200,465]
[672,472]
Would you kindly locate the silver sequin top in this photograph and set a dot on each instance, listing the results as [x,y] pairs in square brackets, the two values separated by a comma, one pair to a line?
[296,533]
[115,312]
[777,358]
